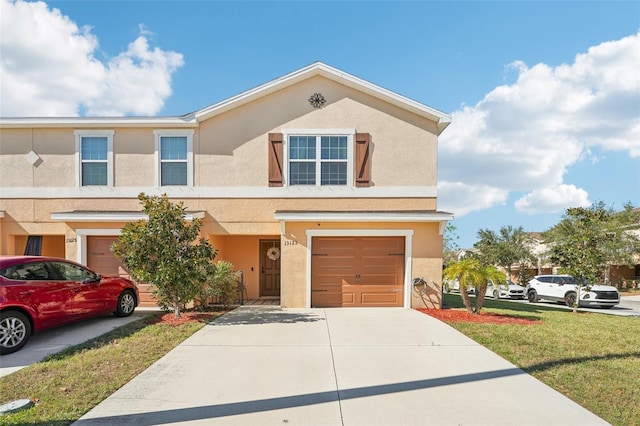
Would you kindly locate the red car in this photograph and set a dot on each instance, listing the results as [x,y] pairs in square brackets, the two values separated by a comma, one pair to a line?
[38,292]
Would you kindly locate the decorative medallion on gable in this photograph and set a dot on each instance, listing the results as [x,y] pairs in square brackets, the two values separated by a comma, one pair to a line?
[317,100]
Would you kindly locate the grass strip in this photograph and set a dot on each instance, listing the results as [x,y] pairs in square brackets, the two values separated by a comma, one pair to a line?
[68,384]
[592,358]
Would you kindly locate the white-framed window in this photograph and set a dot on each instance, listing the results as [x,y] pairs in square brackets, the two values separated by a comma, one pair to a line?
[174,157]
[319,157]
[94,157]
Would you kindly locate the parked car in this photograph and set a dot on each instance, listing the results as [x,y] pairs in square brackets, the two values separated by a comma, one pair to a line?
[562,288]
[454,287]
[510,290]
[39,292]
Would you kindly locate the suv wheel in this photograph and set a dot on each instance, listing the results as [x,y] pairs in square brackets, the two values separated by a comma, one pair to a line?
[532,296]
[570,299]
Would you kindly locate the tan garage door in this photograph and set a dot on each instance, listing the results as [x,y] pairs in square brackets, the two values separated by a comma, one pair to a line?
[101,259]
[357,271]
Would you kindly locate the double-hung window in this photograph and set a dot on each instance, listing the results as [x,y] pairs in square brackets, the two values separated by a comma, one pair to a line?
[319,159]
[174,151]
[94,151]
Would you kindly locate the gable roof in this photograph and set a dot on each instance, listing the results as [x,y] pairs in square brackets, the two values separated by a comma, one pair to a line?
[192,119]
[334,74]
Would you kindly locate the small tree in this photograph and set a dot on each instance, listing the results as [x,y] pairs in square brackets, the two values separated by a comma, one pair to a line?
[470,273]
[165,251]
[505,248]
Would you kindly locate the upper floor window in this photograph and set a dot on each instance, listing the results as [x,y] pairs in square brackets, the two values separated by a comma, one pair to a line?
[334,157]
[174,151]
[94,150]
[319,159]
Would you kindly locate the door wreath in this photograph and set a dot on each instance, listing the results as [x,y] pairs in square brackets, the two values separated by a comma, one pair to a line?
[273,253]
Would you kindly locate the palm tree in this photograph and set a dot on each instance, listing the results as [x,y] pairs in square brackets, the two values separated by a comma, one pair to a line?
[470,273]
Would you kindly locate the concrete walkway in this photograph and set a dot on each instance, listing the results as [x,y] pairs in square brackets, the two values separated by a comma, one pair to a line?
[385,366]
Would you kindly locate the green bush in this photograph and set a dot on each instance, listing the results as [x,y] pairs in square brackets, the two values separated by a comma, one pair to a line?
[222,284]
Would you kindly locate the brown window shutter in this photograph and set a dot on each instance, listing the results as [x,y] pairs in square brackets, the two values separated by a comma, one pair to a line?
[363,159]
[275,159]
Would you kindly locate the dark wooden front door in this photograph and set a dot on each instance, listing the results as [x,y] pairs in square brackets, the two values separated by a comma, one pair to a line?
[269,268]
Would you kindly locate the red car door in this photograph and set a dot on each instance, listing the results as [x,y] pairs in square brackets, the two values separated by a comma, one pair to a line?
[35,286]
[87,296]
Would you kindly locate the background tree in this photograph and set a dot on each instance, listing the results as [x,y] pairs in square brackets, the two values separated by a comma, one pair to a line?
[588,240]
[471,273]
[166,251]
[449,244]
[505,248]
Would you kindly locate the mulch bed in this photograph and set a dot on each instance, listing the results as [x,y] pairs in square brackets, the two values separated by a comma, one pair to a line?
[446,315]
[185,317]
[461,315]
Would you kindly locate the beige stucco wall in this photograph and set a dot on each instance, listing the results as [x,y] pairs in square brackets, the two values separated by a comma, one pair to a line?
[134,157]
[231,149]
[401,141]
[55,147]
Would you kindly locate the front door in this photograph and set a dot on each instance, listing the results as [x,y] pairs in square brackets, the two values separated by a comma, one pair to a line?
[269,268]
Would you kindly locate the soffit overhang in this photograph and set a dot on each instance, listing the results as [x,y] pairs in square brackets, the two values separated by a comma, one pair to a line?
[112,216]
[363,216]
[441,218]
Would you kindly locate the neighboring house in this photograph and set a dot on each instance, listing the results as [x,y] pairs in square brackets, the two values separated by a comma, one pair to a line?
[319,186]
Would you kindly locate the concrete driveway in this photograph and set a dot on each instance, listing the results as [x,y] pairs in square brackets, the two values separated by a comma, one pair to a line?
[55,340]
[384,366]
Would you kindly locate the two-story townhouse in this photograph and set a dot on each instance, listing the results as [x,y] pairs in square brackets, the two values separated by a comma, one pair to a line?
[319,186]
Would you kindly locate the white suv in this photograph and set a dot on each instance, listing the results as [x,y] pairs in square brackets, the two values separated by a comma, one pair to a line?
[562,288]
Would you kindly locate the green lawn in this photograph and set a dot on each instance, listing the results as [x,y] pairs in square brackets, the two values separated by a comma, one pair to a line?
[69,384]
[592,358]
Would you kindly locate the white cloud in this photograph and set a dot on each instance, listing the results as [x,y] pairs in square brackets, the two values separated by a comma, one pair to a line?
[54,71]
[553,200]
[524,136]
[460,198]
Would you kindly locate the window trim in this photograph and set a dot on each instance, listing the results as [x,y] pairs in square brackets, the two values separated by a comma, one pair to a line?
[350,135]
[157,136]
[79,134]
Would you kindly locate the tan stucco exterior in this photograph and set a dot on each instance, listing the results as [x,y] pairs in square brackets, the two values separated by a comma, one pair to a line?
[229,166]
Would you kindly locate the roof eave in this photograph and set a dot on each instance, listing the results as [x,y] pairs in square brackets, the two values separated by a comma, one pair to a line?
[318,68]
[95,122]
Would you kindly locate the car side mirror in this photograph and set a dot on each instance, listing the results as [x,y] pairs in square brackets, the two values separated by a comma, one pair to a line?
[93,279]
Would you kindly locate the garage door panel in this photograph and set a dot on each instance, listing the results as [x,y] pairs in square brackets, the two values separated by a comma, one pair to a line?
[389,280]
[348,299]
[370,269]
[99,255]
[326,299]
[380,299]
[335,262]
[101,259]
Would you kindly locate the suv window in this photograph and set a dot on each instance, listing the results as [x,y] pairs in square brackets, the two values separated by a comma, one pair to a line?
[544,279]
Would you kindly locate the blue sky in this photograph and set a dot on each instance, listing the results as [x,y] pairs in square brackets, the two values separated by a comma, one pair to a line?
[545,96]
